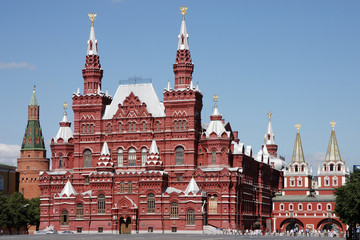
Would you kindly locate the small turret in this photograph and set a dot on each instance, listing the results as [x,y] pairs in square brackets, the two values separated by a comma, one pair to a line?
[270,139]
[153,159]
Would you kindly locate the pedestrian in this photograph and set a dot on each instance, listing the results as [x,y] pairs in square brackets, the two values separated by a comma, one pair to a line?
[357,234]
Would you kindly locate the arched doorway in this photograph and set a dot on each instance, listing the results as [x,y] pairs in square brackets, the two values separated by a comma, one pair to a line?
[125,225]
[330,224]
[292,224]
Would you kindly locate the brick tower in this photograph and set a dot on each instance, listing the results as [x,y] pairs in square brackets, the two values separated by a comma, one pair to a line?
[32,153]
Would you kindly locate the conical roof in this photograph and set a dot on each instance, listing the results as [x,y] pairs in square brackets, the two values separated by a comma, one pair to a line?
[68,189]
[333,152]
[92,43]
[183,36]
[192,187]
[298,154]
[64,132]
[270,137]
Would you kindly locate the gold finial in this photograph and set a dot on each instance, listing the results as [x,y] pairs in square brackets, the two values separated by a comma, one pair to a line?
[298,126]
[333,123]
[183,11]
[34,88]
[65,107]
[92,17]
[269,115]
[215,99]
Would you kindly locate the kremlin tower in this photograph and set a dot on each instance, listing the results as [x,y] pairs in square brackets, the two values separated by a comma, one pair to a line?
[32,153]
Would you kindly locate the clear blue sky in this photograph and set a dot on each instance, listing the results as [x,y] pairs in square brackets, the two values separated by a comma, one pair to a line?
[298,59]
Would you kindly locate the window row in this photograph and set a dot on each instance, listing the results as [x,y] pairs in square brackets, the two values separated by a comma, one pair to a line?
[332,167]
[122,187]
[179,125]
[132,126]
[88,128]
[309,207]
[179,151]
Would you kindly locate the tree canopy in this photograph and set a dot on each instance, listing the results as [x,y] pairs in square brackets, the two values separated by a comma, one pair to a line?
[348,200]
[17,211]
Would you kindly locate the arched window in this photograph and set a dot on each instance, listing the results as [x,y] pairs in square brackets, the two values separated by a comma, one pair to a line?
[130,187]
[331,167]
[109,128]
[87,129]
[328,206]
[319,207]
[291,207]
[87,158]
[335,181]
[327,181]
[132,157]
[101,203]
[309,207]
[79,211]
[179,156]
[179,125]
[190,217]
[302,168]
[299,181]
[92,128]
[174,210]
[300,206]
[120,157]
[157,126]
[151,203]
[281,206]
[212,203]
[292,182]
[1,183]
[64,218]
[143,156]
[83,128]
[175,125]
[324,167]
[122,187]
[184,125]
[144,126]
[213,155]
[339,167]
[296,168]
[120,127]
[61,161]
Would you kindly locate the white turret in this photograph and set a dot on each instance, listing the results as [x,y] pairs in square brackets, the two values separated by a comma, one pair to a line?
[65,132]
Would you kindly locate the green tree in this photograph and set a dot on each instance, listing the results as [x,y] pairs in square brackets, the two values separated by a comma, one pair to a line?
[348,200]
[13,212]
[33,212]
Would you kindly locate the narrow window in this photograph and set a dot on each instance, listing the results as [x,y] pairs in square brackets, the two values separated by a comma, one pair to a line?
[2,184]
[291,207]
[83,128]
[130,127]
[144,126]
[132,157]
[175,125]
[134,126]
[157,126]
[339,167]
[120,157]
[213,154]
[151,203]
[120,127]
[109,128]
[122,187]
[130,186]
[174,210]
[61,159]
[143,156]
[184,125]
[331,167]
[319,207]
[179,156]
[87,158]
[92,128]
[179,126]
[64,218]
[309,207]
[87,129]
[79,211]
[190,217]
[300,206]
[101,203]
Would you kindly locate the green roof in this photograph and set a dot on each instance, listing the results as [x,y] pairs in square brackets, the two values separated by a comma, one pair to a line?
[33,138]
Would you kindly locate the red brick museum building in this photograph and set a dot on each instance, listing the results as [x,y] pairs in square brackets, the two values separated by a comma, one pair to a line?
[134,163]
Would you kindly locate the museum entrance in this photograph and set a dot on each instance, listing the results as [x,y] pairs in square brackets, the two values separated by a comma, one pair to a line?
[125,225]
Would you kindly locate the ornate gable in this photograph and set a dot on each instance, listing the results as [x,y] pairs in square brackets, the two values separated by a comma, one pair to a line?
[132,107]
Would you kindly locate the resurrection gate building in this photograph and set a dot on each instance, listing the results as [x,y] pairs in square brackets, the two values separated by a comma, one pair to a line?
[136,164]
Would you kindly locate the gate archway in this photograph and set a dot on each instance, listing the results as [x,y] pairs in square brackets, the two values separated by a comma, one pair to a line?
[125,225]
[291,223]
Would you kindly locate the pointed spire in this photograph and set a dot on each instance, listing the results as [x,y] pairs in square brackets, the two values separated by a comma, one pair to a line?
[183,36]
[333,153]
[192,187]
[197,86]
[191,85]
[78,92]
[270,138]
[168,86]
[68,189]
[65,118]
[92,43]
[298,154]
[33,100]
